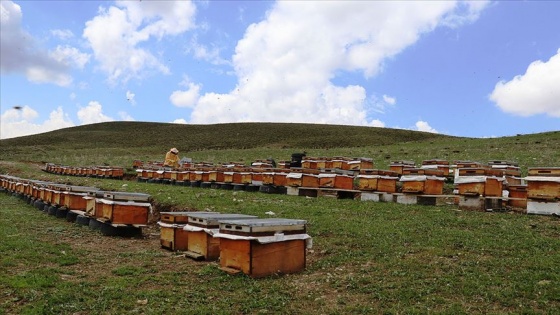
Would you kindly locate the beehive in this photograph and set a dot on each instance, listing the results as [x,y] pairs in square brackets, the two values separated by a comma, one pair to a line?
[200,230]
[294,179]
[387,184]
[172,234]
[479,185]
[398,166]
[123,212]
[422,184]
[263,247]
[543,183]
[518,192]
[310,178]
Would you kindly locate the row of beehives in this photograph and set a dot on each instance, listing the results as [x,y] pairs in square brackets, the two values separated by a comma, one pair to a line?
[243,243]
[112,211]
[93,171]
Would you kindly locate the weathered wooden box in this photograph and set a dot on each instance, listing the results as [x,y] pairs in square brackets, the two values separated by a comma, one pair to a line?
[294,179]
[310,178]
[280,178]
[357,164]
[422,184]
[398,166]
[327,180]
[123,212]
[479,185]
[172,233]
[268,177]
[387,184]
[543,184]
[201,244]
[228,176]
[263,247]
[518,192]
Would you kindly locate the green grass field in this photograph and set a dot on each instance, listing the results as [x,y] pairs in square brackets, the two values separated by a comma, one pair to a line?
[368,257]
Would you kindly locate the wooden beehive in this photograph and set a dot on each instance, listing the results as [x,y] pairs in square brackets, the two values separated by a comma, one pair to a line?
[294,179]
[422,184]
[228,176]
[387,184]
[201,243]
[398,166]
[342,181]
[263,247]
[268,177]
[172,234]
[280,178]
[543,183]
[123,212]
[518,192]
[310,178]
[327,180]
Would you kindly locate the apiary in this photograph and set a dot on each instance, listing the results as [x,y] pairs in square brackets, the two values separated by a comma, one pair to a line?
[201,227]
[263,247]
[172,234]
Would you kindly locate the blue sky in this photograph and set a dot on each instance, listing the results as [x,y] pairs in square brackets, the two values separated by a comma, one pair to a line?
[473,69]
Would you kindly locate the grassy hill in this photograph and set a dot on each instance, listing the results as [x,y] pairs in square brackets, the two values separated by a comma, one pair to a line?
[118,143]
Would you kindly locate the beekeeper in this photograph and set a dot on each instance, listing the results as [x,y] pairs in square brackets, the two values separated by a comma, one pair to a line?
[172,158]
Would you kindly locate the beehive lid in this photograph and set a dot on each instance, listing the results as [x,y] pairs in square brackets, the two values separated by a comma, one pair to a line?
[81,188]
[126,196]
[544,171]
[260,226]
[213,219]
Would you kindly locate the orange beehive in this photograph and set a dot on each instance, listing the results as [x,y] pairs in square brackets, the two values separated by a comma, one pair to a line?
[518,192]
[172,234]
[310,178]
[422,184]
[263,247]
[200,230]
[294,179]
[543,183]
[398,166]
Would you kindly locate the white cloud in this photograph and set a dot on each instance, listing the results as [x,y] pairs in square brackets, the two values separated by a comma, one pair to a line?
[179,121]
[202,52]
[70,56]
[424,126]
[18,123]
[116,33]
[377,123]
[389,100]
[535,92]
[125,116]
[187,98]
[19,51]
[286,64]
[92,113]
[62,34]
[130,97]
